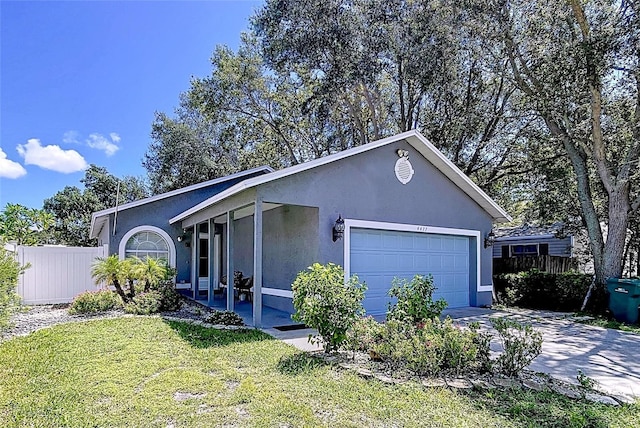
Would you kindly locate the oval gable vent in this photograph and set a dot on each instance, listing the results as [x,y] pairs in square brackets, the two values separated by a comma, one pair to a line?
[404,170]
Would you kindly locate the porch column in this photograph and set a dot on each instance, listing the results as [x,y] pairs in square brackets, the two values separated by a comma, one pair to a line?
[230,288]
[257,264]
[213,274]
[195,242]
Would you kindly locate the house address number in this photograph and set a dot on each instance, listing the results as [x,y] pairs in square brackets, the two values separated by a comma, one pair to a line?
[422,229]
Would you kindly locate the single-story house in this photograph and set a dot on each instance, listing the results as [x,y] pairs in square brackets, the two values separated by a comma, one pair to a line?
[391,208]
[531,240]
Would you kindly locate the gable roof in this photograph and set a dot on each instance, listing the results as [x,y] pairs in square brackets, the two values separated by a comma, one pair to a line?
[105,213]
[413,137]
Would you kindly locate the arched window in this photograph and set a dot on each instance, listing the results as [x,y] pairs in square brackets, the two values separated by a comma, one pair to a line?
[148,241]
[147,244]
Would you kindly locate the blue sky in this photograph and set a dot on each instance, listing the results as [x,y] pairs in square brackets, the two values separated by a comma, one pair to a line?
[80,82]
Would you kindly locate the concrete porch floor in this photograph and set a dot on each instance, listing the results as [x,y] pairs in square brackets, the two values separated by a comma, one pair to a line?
[270,317]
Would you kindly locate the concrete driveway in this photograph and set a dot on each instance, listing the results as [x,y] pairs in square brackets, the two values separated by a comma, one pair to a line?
[611,357]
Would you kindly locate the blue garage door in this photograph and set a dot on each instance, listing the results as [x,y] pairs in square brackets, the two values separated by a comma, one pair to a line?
[377,256]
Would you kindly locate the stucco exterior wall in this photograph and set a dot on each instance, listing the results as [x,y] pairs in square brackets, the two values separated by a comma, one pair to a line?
[365,187]
[158,213]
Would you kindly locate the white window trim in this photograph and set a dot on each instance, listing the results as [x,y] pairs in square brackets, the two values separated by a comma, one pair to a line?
[147,228]
[416,228]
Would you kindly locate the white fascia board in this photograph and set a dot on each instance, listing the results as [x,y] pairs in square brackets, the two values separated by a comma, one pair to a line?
[413,137]
[105,212]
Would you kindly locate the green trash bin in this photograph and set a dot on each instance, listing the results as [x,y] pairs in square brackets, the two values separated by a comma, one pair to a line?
[624,299]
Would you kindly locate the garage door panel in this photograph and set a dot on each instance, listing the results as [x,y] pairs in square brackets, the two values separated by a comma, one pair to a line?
[377,256]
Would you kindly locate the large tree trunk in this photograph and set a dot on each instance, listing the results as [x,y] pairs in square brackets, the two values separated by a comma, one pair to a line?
[613,257]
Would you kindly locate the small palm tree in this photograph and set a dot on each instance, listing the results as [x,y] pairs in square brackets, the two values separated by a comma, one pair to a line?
[151,271]
[108,270]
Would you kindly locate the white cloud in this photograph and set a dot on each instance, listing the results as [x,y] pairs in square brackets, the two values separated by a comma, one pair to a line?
[71,137]
[9,168]
[100,142]
[51,157]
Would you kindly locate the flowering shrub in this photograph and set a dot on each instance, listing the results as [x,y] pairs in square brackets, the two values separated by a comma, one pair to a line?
[92,302]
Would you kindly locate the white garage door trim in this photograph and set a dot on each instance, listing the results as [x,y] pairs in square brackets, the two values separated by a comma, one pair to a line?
[401,227]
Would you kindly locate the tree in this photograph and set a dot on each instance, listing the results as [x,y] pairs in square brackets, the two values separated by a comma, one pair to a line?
[25,226]
[577,66]
[388,66]
[112,272]
[72,207]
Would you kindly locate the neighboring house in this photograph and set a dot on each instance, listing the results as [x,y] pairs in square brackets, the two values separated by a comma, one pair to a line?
[547,248]
[406,209]
[529,240]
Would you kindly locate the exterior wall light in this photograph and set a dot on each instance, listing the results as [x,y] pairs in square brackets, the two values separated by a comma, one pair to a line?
[490,239]
[338,229]
[180,238]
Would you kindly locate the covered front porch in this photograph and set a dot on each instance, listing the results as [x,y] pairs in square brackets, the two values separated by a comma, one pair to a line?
[245,253]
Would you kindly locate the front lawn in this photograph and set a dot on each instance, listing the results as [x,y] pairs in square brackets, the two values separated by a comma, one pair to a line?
[145,372]
[610,323]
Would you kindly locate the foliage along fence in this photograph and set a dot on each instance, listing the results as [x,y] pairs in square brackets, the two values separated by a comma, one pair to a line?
[550,264]
[56,274]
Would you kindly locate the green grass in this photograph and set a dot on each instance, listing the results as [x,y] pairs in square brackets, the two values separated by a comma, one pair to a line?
[608,323]
[126,373]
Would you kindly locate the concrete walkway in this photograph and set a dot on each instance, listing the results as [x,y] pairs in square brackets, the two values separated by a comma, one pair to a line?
[611,357]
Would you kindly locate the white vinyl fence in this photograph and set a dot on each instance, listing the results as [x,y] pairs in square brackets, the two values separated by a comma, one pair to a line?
[57,274]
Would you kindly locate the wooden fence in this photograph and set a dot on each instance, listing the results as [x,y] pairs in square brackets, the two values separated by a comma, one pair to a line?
[551,264]
[56,274]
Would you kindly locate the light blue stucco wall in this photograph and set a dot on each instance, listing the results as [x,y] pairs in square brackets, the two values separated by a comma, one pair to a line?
[158,214]
[365,187]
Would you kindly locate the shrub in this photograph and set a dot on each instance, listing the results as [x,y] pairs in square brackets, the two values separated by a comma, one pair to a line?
[520,343]
[144,303]
[170,299]
[363,335]
[415,300]
[92,302]
[224,318]
[541,290]
[324,301]
[432,347]
[9,271]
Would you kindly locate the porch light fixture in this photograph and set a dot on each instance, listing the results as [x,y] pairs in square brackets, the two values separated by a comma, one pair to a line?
[490,239]
[338,228]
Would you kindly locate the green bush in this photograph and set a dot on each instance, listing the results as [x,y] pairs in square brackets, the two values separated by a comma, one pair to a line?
[9,271]
[92,302]
[144,303]
[324,301]
[171,299]
[541,290]
[520,343]
[414,300]
[224,318]
[432,347]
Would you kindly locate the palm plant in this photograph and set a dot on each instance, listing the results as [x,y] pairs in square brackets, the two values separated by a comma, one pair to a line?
[108,270]
[151,271]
